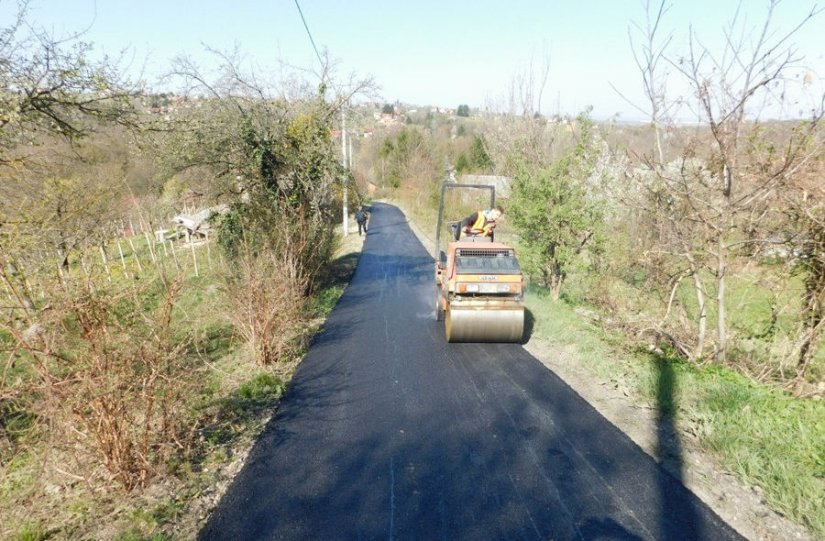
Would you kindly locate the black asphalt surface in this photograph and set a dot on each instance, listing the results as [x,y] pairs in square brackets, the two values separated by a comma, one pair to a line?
[388,432]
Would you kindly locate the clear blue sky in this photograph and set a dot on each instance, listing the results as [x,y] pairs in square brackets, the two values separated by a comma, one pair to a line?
[430,52]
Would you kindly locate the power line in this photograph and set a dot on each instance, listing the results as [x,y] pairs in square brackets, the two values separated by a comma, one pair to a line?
[309,34]
[345,210]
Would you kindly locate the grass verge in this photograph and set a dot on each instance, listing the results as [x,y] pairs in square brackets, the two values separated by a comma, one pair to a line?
[758,433]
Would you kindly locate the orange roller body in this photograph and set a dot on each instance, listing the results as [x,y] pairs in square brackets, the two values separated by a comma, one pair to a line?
[480,292]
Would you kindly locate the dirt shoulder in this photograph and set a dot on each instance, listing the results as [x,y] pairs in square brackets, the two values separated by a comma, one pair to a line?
[742,507]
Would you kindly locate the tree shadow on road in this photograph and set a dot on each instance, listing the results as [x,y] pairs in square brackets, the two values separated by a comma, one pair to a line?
[669,452]
[340,270]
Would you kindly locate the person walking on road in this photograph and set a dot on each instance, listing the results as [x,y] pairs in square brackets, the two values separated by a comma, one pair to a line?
[361,217]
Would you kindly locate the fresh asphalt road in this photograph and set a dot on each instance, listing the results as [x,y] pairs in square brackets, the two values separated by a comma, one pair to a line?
[388,432]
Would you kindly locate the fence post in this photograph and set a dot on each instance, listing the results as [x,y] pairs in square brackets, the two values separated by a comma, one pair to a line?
[122,259]
[105,263]
[194,259]
[85,268]
[149,245]
[134,254]
[174,255]
[12,273]
[63,278]
[60,278]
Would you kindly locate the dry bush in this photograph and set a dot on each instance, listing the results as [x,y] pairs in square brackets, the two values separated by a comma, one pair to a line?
[267,296]
[103,377]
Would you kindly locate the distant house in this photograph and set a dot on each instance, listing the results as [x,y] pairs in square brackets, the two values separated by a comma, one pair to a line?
[388,119]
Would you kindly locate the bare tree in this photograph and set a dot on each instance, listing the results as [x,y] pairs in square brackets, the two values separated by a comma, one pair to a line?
[675,239]
[803,199]
[51,85]
[648,55]
[527,87]
[726,85]
[720,186]
[51,93]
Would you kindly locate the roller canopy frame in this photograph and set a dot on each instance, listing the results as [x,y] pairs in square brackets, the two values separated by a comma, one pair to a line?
[448,185]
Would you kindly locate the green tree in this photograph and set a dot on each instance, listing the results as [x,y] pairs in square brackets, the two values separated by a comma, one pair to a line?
[390,173]
[274,159]
[401,155]
[478,155]
[476,159]
[288,172]
[462,163]
[553,213]
[463,110]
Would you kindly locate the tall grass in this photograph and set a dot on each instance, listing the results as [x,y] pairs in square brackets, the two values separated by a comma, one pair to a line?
[768,439]
[98,372]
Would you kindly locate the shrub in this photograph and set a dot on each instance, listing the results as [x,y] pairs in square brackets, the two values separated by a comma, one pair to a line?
[267,296]
[102,379]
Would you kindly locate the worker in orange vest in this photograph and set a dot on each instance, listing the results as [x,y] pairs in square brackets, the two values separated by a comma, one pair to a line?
[479,223]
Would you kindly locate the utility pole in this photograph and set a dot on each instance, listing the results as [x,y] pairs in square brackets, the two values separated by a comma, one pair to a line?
[344,164]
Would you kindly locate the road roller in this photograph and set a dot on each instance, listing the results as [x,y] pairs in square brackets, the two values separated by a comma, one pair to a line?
[479,284]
